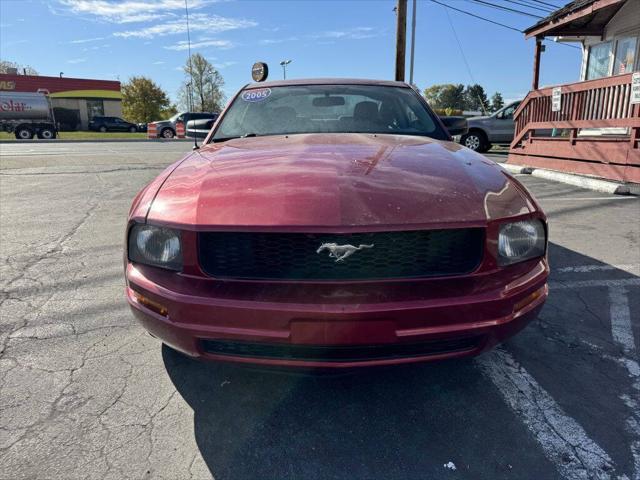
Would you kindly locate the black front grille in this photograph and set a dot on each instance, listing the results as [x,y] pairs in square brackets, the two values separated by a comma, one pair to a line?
[338,353]
[293,256]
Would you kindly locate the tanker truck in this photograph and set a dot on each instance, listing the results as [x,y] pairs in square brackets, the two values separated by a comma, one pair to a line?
[27,115]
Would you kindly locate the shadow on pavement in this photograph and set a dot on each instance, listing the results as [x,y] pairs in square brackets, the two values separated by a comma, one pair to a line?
[406,422]
[386,423]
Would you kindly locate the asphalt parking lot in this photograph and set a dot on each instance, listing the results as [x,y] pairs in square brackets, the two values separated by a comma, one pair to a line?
[86,393]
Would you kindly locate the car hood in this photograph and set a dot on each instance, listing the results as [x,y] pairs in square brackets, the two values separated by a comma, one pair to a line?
[338,180]
[478,119]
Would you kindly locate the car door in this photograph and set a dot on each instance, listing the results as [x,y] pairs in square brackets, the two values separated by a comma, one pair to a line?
[109,122]
[502,126]
[120,125]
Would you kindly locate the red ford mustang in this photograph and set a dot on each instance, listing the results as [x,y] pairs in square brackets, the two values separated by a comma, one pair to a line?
[333,223]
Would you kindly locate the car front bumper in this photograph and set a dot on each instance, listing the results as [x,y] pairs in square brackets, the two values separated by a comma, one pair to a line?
[431,320]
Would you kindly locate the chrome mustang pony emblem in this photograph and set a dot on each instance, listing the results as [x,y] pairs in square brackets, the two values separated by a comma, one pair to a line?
[340,252]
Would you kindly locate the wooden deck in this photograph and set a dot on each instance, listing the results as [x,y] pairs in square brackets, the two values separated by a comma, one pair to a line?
[560,140]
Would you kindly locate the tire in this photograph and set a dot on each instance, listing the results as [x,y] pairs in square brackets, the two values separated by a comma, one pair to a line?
[47,134]
[102,129]
[24,133]
[133,129]
[167,133]
[475,140]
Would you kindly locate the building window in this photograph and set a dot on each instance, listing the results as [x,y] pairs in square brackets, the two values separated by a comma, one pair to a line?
[625,55]
[599,61]
[95,108]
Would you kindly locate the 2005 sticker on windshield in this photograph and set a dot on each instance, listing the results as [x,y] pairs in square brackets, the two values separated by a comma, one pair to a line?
[256,95]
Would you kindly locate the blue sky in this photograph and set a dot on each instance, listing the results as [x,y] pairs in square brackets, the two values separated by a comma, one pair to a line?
[332,38]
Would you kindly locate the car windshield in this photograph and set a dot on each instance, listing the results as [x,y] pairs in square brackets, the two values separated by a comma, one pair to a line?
[328,109]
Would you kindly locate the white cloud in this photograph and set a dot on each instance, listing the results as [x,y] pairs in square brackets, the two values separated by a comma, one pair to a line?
[183,45]
[222,65]
[199,22]
[328,37]
[129,11]
[76,60]
[356,33]
[87,40]
[95,47]
[160,62]
[273,41]
[14,42]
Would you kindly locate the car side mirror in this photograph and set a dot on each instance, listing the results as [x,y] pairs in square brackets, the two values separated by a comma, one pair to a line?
[455,125]
[198,128]
[196,133]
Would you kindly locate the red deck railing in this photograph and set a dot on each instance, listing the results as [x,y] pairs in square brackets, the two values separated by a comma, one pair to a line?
[558,140]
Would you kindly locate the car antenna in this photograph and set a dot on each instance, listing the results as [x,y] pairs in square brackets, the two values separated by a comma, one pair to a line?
[195,136]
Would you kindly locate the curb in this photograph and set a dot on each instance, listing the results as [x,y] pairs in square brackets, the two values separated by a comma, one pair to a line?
[595,184]
[590,183]
[99,140]
[516,169]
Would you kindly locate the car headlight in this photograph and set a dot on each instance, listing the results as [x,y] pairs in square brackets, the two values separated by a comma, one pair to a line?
[157,246]
[519,241]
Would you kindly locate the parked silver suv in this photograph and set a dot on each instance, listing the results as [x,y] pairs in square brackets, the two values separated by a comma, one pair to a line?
[167,128]
[487,130]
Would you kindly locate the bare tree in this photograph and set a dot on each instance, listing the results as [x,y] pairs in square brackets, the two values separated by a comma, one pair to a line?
[205,83]
[5,65]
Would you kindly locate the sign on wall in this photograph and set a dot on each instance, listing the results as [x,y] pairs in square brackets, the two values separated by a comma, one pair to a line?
[556,96]
[635,87]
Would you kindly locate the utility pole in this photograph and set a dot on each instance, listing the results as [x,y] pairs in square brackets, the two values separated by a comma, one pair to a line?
[413,41]
[401,39]
[536,63]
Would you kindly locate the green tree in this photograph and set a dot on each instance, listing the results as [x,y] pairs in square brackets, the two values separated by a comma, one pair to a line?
[143,100]
[475,98]
[203,85]
[446,96]
[168,112]
[5,65]
[496,102]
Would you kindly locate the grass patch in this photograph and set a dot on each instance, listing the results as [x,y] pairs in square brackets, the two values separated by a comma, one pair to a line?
[85,135]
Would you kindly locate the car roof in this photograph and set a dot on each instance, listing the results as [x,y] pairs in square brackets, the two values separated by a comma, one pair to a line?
[326,81]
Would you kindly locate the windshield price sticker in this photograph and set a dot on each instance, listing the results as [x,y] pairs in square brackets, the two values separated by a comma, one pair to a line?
[256,95]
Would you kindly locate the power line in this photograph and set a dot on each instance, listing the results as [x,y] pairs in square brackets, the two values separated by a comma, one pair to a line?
[546,10]
[477,16]
[494,22]
[555,7]
[500,7]
[464,57]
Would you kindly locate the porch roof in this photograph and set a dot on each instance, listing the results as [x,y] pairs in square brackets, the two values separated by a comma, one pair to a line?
[577,18]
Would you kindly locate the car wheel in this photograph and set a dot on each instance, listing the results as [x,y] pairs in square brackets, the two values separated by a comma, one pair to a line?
[133,129]
[47,134]
[102,129]
[24,134]
[474,141]
[167,133]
